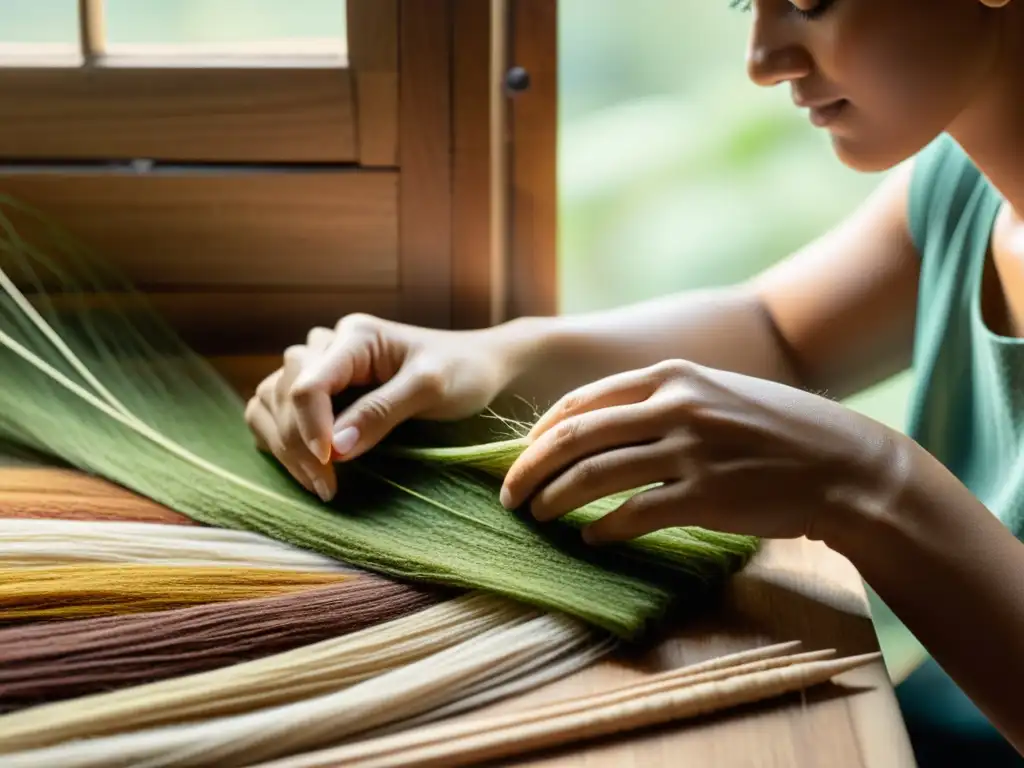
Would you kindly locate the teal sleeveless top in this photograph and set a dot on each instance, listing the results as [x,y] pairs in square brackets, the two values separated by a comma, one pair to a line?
[967,401]
[967,409]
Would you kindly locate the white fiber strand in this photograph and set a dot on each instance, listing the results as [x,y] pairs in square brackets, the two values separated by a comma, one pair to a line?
[45,542]
[312,670]
[434,681]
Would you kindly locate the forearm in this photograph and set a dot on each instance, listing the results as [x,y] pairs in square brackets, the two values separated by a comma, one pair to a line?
[955,576]
[727,328]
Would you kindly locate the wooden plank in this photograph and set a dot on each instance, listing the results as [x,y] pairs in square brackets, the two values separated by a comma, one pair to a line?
[424,148]
[499,164]
[280,113]
[244,372]
[322,229]
[793,590]
[373,59]
[534,126]
[240,322]
[473,215]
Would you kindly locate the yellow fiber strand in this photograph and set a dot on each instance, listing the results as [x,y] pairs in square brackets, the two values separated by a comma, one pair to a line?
[78,591]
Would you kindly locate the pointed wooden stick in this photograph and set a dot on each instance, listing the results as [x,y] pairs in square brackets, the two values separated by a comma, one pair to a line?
[399,746]
[738,660]
[689,700]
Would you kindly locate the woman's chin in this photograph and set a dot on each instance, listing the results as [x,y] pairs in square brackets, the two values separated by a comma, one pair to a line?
[867,156]
[876,150]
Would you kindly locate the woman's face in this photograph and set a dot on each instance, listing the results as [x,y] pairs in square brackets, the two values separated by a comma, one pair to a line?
[884,77]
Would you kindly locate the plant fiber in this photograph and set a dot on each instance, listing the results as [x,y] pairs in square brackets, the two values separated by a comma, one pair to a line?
[117,394]
[50,661]
[79,591]
[417,687]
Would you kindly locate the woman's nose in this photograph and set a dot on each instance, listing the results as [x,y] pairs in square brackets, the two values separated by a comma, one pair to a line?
[773,56]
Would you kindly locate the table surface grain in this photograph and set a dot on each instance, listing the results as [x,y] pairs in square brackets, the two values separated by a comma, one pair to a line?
[793,590]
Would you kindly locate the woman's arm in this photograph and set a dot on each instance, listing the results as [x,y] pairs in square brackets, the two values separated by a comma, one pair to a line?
[952,572]
[836,316]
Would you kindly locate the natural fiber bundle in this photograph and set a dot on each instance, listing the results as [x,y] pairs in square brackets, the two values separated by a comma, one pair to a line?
[121,396]
[65,542]
[52,661]
[71,592]
[313,670]
[424,686]
[51,492]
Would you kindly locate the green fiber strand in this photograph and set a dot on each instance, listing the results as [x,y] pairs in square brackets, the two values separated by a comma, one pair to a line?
[112,390]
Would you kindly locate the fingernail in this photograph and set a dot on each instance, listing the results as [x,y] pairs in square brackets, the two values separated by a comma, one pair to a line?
[316,447]
[345,440]
[505,498]
[322,490]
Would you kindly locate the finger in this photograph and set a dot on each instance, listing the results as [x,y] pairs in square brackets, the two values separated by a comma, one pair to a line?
[619,389]
[322,376]
[574,439]
[374,415]
[603,475]
[255,423]
[645,512]
[263,423]
[319,338]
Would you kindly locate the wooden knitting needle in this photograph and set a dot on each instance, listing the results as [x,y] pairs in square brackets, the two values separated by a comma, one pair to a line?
[398,746]
[689,699]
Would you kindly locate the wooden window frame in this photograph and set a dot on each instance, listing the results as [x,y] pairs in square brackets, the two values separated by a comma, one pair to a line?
[416,185]
[222,109]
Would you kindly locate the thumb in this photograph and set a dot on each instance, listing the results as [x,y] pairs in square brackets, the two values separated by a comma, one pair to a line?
[373,416]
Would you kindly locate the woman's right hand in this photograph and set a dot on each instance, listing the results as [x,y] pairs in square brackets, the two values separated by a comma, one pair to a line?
[414,372]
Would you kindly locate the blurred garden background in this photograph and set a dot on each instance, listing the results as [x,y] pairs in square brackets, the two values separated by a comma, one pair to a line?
[675,171]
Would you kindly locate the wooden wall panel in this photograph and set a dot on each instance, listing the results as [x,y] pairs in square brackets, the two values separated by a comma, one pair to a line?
[477,223]
[269,113]
[250,322]
[533,260]
[425,159]
[245,372]
[319,229]
[373,59]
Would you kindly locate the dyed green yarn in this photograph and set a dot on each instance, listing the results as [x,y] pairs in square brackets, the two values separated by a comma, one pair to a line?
[121,396]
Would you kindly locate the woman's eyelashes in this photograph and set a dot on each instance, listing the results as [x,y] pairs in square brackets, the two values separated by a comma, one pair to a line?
[815,12]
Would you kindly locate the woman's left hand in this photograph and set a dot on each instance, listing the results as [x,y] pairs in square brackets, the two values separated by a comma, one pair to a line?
[731,453]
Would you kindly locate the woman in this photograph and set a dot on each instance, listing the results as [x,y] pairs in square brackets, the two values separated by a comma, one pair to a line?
[712,393]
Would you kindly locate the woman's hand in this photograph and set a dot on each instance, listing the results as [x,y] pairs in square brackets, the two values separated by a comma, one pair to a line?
[731,453]
[417,372]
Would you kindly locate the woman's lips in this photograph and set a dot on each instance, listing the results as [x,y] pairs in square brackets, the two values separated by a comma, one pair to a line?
[825,114]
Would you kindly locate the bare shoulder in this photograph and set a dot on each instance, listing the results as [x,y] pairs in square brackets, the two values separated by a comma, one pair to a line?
[845,304]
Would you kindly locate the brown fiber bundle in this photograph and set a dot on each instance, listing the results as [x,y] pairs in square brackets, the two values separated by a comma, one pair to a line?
[60,660]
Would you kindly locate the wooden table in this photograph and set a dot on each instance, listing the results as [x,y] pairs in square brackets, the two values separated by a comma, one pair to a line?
[793,590]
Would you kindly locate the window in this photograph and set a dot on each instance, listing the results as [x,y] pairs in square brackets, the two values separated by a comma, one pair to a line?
[260,167]
[213,151]
[181,81]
